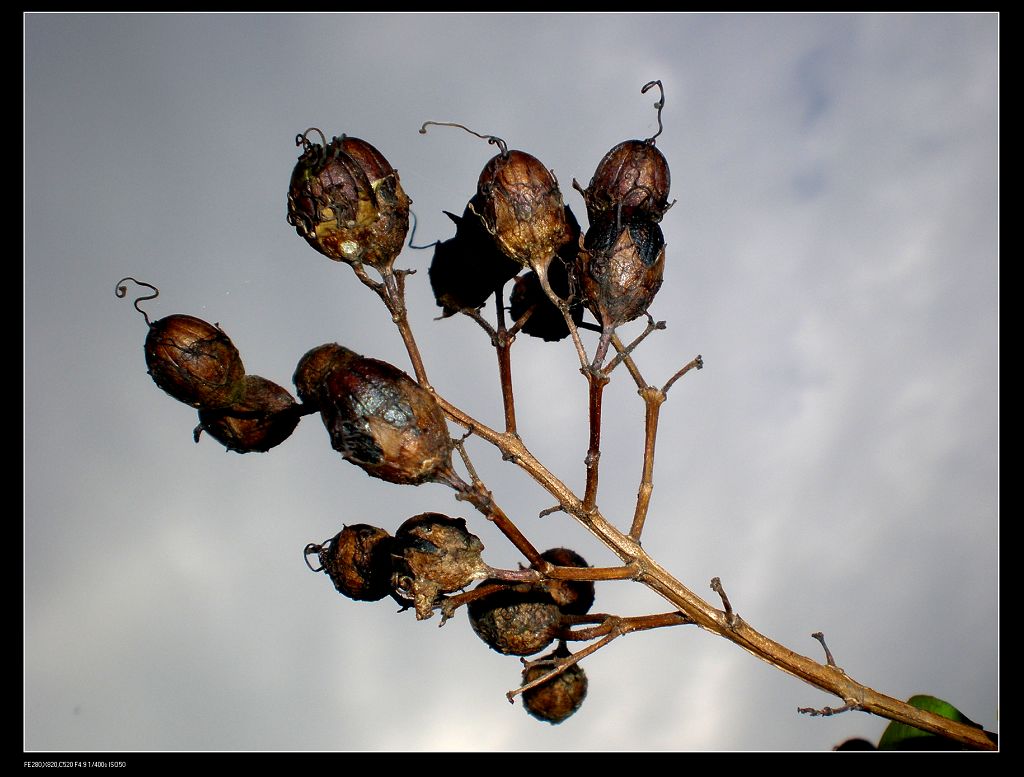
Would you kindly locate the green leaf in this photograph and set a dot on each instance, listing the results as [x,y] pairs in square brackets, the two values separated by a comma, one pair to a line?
[900,736]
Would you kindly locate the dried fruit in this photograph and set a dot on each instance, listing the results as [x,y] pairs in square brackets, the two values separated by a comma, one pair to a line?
[573,597]
[434,554]
[620,268]
[517,620]
[347,201]
[315,365]
[523,208]
[385,422]
[194,362]
[264,416]
[358,561]
[557,699]
[633,180]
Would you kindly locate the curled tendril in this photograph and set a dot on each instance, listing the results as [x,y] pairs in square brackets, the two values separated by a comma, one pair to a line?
[659,105]
[120,290]
[302,140]
[412,234]
[494,140]
[309,550]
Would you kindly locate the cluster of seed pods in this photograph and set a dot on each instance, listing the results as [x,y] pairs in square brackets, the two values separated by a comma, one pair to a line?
[346,201]
[518,215]
[432,556]
[196,363]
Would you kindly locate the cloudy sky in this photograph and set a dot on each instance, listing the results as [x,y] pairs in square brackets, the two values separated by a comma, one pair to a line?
[832,254]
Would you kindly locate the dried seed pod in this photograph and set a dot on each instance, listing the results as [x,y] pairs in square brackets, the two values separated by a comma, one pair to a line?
[620,268]
[385,422]
[347,201]
[264,416]
[573,597]
[315,365]
[557,699]
[358,561]
[523,209]
[470,267]
[194,362]
[433,555]
[516,620]
[632,179]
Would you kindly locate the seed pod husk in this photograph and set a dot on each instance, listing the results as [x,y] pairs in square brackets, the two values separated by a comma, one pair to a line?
[194,362]
[264,417]
[384,422]
[558,698]
[358,561]
[523,208]
[347,201]
[517,620]
[632,179]
[573,597]
[433,555]
[315,365]
[468,268]
[620,268]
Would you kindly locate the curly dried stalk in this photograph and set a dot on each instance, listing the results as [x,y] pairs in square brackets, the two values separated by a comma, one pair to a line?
[644,569]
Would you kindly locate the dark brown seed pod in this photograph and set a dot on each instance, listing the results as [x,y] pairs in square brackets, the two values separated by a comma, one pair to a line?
[358,561]
[385,422]
[264,417]
[632,179]
[315,365]
[517,620]
[433,555]
[523,209]
[347,201]
[194,362]
[573,597]
[557,699]
[620,268]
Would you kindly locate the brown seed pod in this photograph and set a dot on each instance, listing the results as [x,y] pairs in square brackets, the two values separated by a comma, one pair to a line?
[347,201]
[620,268]
[573,597]
[470,267]
[385,422]
[516,620]
[264,417]
[315,365]
[358,561]
[194,362]
[523,209]
[434,554]
[633,179]
[557,699]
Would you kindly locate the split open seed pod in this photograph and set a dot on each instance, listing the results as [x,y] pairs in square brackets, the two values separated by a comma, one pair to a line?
[433,555]
[620,268]
[347,201]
